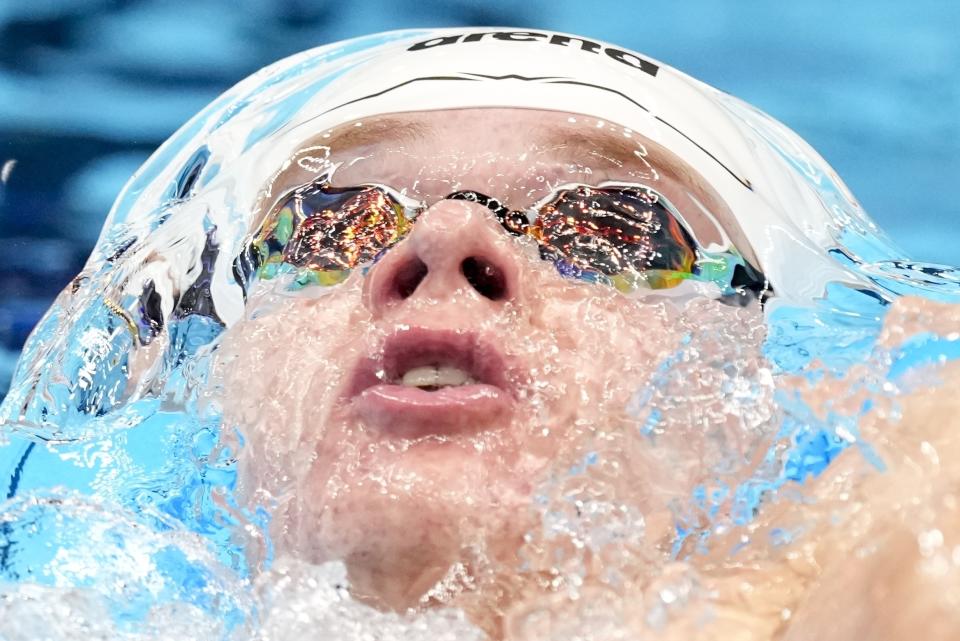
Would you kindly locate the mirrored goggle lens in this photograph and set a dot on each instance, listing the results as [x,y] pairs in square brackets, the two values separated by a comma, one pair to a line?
[627,235]
[614,231]
[328,229]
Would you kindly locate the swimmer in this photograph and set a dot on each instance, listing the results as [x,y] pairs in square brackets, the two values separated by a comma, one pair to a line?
[440,267]
[428,395]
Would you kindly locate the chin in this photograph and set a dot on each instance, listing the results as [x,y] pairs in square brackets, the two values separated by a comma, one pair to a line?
[400,534]
[430,484]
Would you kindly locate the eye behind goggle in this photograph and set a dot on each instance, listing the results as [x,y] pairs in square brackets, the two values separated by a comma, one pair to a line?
[614,231]
[326,228]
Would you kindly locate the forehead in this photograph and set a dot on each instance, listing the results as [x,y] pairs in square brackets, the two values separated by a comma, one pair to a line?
[488,131]
[466,148]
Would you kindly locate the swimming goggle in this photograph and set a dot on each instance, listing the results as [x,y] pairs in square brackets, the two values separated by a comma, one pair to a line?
[626,235]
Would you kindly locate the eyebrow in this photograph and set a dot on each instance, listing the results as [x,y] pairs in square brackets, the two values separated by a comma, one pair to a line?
[379,131]
[578,144]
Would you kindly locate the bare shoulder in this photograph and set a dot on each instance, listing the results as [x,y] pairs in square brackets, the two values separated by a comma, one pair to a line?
[889,551]
[878,551]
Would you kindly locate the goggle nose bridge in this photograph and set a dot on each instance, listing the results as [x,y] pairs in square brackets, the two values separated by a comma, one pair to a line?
[514,221]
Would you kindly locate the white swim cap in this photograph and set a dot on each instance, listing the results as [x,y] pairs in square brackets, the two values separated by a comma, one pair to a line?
[788,201]
[196,197]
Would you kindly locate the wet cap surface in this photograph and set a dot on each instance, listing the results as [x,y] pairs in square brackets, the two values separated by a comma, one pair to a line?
[777,188]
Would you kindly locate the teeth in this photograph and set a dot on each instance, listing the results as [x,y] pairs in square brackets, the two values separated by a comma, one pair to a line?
[434,376]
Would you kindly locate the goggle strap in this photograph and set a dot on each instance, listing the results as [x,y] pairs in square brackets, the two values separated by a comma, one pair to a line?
[746,278]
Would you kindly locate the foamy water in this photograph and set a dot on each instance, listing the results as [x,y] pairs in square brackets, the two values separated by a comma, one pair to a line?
[601,561]
[111,574]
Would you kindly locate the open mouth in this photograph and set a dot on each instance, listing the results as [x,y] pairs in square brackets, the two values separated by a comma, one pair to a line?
[432,382]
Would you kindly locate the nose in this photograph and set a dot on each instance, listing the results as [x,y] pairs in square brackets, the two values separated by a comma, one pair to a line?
[456,251]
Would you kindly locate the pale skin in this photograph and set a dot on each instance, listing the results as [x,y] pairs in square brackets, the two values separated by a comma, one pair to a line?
[403,494]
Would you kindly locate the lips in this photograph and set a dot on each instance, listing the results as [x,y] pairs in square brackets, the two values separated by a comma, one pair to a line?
[455,383]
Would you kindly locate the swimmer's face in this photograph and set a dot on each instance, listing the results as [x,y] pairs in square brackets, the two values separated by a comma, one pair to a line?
[402,419]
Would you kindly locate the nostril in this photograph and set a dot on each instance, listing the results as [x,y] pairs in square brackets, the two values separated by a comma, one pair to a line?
[485,277]
[408,277]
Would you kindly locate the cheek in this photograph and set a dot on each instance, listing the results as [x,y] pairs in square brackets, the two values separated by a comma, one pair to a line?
[605,339]
[276,378]
[594,350]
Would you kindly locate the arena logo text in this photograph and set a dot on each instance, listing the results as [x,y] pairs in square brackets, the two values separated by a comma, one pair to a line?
[621,56]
